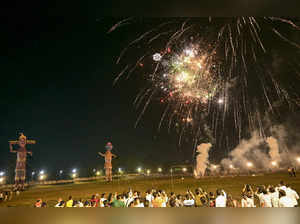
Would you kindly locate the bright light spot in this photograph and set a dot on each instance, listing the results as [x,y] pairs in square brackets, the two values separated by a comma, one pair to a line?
[139,169]
[1,174]
[61,171]
[184,169]
[231,166]
[249,164]
[42,172]
[298,159]
[214,167]
[274,163]
[159,169]
[98,173]
[32,173]
[182,77]
[74,175]
[1,180]
[74,170]
[148,171]
[189,120]
[120,170]
[220,101]
[42,177]
[157,57]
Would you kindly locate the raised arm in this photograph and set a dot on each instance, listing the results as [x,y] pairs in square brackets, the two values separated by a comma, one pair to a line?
[113,155]
[101,154]
[11,147]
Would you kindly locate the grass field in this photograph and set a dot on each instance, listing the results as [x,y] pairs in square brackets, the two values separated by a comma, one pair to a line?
[84,190]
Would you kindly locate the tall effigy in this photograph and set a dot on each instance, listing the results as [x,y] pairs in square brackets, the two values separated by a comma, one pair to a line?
[20,171]
[108,158]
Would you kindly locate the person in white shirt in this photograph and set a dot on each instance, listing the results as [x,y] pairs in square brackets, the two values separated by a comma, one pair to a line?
[284,201]
[274,197]
[282,186]
[149,197]
[292,195]
[221,198]
[266,201]
[188,201]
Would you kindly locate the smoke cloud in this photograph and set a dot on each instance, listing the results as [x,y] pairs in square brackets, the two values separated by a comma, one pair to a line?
[202,159]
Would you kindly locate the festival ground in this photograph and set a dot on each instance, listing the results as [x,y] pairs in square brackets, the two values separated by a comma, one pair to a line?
[84,190]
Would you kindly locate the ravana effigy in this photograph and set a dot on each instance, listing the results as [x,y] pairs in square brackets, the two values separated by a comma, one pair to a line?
[20,172]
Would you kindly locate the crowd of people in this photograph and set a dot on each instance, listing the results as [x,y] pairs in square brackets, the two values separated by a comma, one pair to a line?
[281,195]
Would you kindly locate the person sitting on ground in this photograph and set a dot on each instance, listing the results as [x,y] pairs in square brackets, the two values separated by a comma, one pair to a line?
[157,201]
[146,204]
[284,201]
[231,203]
[188,201]
[149,197]
[221,198]
[58,205]
[212,199]
[137,203]
[38,203]
[179,201]
[118,202]
[87,204]
[69,203]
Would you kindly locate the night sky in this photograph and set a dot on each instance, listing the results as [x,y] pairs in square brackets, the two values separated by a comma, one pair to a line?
[57,72]
[57,88]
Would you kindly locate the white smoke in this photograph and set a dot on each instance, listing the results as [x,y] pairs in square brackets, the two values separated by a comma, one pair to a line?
[202,159]
[259,154]
[274,151]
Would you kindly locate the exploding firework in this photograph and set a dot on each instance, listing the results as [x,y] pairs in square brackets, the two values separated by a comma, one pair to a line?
[217,72]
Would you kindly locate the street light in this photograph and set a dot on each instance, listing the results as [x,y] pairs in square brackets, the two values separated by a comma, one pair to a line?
[74,171]
[148,171]
[298,159]
[42,172]
[159,169]
[184,169]
[98,173]
[60,172]
[2,174]
[139,169]
[1,180]
[42,177]
[231,166]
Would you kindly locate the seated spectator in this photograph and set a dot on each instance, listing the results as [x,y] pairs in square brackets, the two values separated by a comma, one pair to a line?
[188,201]
[69,203]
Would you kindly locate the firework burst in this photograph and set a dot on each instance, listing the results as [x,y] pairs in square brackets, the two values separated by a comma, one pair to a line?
[212,73]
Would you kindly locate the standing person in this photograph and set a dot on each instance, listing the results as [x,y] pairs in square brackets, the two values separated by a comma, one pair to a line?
[284,201]
[188,201]
[221,198]
[266,199]
[293,171]
[274,197]
[292,194]
[108,158]
[290,171]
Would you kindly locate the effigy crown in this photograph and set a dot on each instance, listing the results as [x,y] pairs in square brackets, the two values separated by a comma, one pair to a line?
[22,136]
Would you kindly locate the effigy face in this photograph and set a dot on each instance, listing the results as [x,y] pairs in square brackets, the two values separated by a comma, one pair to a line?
[109,146]
[22,143]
